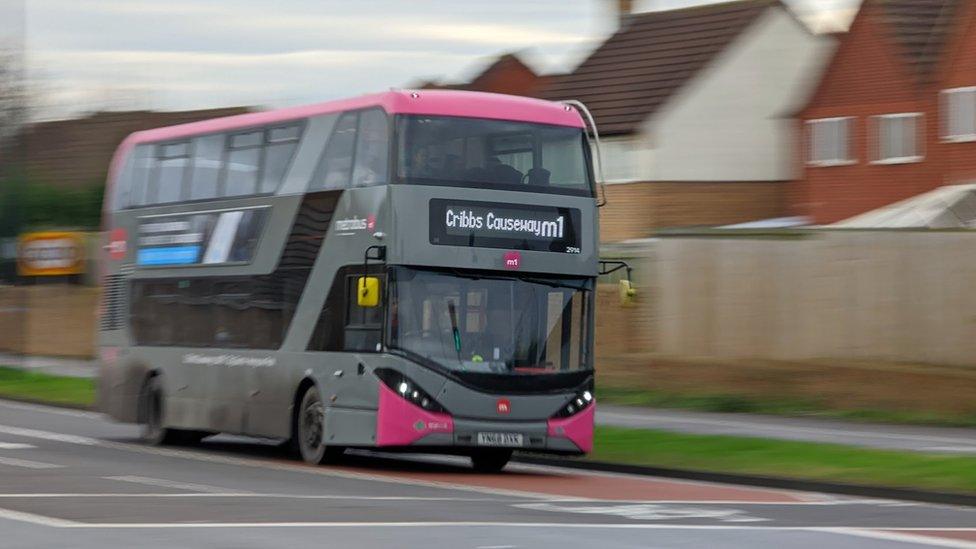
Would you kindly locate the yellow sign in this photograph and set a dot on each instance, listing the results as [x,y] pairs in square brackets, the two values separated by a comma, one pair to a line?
[51,254]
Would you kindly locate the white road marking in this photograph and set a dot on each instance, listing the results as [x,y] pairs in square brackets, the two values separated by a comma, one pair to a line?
[15,446]
[124,495]
[31,518]
[263,464]
[903,537]
[802,497]
[69,495]
[361,476]
[163,483]
[47,435]
[648,511]
[763,427]
[28,464]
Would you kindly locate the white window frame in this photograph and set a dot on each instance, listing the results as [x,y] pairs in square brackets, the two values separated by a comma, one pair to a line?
[621,160]
[947,113]
[810,151]
[876,137]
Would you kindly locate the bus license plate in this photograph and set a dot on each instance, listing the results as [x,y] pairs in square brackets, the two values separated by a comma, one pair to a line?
[499,439]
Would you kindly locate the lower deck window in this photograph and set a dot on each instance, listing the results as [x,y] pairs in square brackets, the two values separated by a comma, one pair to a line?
[235,313]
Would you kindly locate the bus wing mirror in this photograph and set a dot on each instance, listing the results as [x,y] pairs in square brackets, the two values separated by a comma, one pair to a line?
[368,294]
[628,295]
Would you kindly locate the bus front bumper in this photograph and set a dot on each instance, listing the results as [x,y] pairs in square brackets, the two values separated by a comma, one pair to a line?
[401,424]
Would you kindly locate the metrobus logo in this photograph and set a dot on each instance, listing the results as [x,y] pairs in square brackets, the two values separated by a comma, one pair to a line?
[117,243]
[513,260]
[503,406]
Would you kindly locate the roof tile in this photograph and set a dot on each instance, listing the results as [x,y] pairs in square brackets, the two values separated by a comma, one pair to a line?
[920,28]
[649,58]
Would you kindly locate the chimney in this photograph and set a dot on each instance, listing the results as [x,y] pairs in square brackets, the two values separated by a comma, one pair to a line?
[624,9]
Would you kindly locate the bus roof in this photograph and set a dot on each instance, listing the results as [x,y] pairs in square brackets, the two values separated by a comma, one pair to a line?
[429,102]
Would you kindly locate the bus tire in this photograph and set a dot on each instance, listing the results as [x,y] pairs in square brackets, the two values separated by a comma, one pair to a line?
[490,461]
[308,430]
[154,432]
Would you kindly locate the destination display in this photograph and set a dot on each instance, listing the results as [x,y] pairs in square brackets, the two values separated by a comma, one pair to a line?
[501,225]
[206,238]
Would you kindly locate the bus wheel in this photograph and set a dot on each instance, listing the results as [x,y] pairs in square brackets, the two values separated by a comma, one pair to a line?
[490,461]
[308,433]
[151,415]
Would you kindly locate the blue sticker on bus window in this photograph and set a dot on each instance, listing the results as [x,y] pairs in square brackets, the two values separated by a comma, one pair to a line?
[208,238]
[174,255]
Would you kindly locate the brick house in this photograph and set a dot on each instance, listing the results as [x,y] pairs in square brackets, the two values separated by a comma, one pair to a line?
[76,152]
[507,74]
[694,107]
[895,114]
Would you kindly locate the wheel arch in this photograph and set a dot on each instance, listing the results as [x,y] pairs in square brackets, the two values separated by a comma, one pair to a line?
[296,400]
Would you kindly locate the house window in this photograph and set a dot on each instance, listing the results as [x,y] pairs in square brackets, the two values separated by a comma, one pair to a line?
[959,114]
[830,141]
[897,138]
[619,160]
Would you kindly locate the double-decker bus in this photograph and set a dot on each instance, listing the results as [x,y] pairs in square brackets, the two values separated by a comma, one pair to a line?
[403,271]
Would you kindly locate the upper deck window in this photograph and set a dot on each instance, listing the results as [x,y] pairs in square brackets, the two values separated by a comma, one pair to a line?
[243,162]
[357,154]
[206,167]
[474,152]
[170,172]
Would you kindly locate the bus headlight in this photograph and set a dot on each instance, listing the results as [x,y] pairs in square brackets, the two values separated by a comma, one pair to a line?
[579,402]
[408,390]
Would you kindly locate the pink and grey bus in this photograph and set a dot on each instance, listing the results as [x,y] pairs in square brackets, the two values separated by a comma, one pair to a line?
[403,271]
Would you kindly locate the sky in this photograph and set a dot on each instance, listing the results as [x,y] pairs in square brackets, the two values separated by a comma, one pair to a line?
[182,54]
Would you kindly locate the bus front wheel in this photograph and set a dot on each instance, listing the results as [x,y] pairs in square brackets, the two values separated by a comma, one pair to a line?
[308,431]
[490,461]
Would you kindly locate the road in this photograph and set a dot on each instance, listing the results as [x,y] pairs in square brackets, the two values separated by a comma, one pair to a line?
[72,479]
[892,437]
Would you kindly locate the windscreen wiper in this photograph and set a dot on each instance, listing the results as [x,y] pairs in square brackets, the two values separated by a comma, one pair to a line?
[452,312]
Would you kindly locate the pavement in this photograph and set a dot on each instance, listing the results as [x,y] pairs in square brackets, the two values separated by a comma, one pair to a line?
[868,435]
[73,479]
[58,366]
[927,439]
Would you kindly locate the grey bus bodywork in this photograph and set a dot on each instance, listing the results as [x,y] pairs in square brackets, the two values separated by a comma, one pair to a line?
[234,360]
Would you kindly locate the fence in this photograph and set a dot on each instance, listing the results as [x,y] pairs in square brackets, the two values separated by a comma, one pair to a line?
[49,319]
[897,296]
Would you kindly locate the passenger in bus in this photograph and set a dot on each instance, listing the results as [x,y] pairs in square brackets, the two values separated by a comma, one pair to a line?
[500,172]
[538,177]
[421,164]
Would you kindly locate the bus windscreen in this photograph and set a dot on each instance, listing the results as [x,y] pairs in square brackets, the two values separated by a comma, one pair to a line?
[490,324]
[475,152]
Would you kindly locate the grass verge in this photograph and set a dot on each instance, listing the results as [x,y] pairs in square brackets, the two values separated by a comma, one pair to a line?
[39,387]
[732,403]
[786,459]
